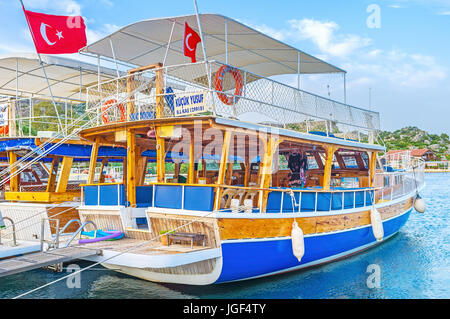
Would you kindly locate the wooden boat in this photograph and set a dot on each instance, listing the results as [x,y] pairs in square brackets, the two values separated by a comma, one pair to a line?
[236,215]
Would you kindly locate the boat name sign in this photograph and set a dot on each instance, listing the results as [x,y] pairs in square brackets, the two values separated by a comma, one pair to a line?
[190,103]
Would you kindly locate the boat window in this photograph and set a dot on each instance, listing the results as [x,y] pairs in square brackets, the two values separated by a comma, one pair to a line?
[350,161]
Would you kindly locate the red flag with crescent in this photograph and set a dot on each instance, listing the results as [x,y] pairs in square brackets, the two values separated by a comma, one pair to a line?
[191,39]
[56,34]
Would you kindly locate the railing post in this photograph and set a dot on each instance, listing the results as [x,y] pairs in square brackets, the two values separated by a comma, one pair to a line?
[315,202]
[282,200]
[182,197]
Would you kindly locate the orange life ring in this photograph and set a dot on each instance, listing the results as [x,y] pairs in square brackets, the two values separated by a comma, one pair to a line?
[4,130]
[107,105]
[110,177]
[229,100]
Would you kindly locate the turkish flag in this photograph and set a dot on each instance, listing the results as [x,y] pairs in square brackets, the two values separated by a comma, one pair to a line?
[56,34]
[191,39]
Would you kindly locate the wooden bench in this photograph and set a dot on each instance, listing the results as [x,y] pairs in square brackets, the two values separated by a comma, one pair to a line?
[193,238]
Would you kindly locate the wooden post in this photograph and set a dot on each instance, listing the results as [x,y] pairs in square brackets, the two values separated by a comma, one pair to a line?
[328,162]
[131,86]
[191,172]
[101,179]
[204,168]
[176,171]
[51,184]
[141,170]
[159,88]
[160,158]
[229,174]
[266,169]
[67,162]
[12,119]
[14,182]
[372,168]
[131,167]
[247,171]
[222,167]
[93,162]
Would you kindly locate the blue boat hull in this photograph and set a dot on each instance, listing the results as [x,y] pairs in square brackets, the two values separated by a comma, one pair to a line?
[247,259]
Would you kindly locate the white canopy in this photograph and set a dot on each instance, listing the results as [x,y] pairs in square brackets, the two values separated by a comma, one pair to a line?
[145,42]
[23,72]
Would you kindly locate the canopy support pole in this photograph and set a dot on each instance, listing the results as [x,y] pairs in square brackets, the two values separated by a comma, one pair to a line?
[345,89]
[168,43]
[298,69]
[114,56]
[226,40]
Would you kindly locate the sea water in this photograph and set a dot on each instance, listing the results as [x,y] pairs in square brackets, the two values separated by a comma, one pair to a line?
[413,264]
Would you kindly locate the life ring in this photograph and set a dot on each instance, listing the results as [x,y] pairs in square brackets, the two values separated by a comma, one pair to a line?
[4,130]
[229,100]
[107,105]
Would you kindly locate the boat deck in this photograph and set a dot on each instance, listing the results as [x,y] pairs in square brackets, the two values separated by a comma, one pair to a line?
[148,248]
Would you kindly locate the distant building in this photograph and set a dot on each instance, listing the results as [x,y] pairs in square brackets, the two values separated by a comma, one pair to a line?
[424,153]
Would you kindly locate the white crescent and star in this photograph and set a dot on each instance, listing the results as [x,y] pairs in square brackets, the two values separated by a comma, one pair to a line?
[45,37]
[187,42]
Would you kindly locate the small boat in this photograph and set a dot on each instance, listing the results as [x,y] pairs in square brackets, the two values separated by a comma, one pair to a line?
[253,177]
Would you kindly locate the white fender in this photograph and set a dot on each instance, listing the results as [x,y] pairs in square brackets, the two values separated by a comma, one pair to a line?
[419,205]
[377,224]
[298,242]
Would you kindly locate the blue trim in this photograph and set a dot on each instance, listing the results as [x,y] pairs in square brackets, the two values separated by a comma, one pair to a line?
[247,259]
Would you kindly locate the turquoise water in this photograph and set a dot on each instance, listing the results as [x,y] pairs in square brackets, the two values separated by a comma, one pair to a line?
[414,264]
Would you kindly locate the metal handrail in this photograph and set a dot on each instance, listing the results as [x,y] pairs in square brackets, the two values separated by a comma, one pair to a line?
[13,225]
[54,242]
[61,233]
[79,231]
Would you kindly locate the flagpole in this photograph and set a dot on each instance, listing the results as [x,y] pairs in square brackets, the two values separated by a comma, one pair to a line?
[43,69]
[208,69]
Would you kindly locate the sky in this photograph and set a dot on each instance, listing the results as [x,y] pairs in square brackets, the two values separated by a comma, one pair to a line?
[396,52]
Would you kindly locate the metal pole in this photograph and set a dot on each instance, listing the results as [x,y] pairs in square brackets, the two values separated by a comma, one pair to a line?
[114,56]
[298,69]
[226,40]
[345,89]
[200,29]
[43,69]
[168,43]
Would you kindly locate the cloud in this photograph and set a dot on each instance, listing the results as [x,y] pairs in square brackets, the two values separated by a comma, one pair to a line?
[401,69]
[322,33]
[71,7]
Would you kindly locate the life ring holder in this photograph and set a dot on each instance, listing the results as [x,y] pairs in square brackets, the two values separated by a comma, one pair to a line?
[229,100]
[107,105]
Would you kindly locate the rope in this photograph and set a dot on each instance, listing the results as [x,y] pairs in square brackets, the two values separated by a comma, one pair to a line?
[107,259]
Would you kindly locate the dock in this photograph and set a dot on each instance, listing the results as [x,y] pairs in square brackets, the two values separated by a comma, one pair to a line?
[43,259]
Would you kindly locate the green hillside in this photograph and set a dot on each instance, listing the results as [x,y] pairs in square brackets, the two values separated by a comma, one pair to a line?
[413,138]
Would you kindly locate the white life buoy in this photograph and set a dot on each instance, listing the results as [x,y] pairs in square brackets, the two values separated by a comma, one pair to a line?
[377,224]
[298,242]
[419,205]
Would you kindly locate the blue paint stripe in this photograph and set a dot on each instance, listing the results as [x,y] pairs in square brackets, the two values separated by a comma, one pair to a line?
[242,260]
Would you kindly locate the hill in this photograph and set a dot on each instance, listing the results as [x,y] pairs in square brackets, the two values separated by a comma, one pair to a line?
[414,138]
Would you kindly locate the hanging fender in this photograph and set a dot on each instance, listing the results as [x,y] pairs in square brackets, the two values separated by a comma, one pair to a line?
[377,224]
[298,241]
